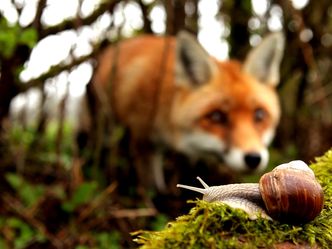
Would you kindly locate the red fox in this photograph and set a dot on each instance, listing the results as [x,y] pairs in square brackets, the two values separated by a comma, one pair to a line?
[170,92]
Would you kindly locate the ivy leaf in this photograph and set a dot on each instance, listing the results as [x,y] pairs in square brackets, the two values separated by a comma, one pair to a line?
[7,42]
[83,194]
[13,35]
[28,193]
[14,180]
[28,37]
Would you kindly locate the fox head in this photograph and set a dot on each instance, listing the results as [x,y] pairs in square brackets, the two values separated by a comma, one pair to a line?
[227,109]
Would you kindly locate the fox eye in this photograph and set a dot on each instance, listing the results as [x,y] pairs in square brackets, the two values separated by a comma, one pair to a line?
[218,117]
[259,114]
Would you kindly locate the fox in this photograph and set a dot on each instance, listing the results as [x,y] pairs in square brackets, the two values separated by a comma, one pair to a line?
[171,93]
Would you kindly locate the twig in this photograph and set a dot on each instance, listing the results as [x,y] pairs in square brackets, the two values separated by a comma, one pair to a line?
[134,213]
[76,173]
[97,201]
[75,23]
[17,207]
[61,122]
[39,12]
[145,11]
[55,70]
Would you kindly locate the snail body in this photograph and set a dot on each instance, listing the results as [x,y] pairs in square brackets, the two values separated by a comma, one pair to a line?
[288,193]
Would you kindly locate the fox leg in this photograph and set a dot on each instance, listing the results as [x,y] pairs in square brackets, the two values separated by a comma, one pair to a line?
[148,163]
[158,171]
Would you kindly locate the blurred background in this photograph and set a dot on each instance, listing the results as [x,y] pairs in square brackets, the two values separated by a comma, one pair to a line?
[53,195]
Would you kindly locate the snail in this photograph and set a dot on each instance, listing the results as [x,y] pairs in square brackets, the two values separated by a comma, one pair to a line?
[289,193]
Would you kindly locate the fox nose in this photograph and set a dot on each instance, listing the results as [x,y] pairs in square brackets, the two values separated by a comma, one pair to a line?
[252,160]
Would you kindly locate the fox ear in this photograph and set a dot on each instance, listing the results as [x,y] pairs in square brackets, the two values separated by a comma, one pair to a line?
[263,62]
[193,65]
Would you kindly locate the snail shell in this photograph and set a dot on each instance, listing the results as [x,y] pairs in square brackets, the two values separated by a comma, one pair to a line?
[288,193]
[291,193]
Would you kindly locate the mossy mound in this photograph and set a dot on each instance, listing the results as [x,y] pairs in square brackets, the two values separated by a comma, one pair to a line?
[214,225]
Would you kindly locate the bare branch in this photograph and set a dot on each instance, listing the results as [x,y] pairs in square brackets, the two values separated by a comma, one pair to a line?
[133,213]
[18,8]
[77,22]
[96,202]
[145,11]
[54,70]
[15,206]
[39,12]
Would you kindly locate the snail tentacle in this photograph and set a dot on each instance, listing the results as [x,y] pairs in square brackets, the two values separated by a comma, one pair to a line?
[199,190]
[202,182]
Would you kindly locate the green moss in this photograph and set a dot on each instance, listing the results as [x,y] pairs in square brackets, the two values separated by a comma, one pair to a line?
[214,225]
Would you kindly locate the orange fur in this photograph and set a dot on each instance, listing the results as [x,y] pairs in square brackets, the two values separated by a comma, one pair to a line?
[137,78]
